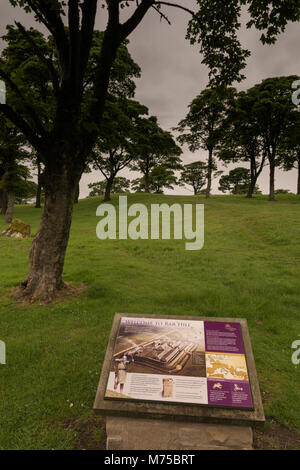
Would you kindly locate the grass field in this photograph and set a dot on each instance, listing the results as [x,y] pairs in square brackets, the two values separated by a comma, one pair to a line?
[249,267]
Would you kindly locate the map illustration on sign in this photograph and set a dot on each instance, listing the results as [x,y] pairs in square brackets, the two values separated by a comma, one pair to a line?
[179,361]
[226,366]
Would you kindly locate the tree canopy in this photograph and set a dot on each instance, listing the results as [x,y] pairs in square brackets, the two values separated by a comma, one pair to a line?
[203,126]
[154,147]
[237,181]
[195,175]
[118,143]
[119,185]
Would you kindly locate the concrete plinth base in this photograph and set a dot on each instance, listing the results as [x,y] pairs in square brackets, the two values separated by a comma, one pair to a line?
[151,434]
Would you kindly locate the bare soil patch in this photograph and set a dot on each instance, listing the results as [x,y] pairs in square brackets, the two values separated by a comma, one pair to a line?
[67,292]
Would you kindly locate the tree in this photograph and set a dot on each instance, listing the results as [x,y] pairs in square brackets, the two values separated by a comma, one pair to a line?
[159,178]
[27,193]
[13,174]
[120,185]
[162,177]
[117,145]
[275,114]
[289,150]
[203,126]
[61,188]
[242,140]
[195,175]
[154,148]
[66,141]
[237,181]
[16,183]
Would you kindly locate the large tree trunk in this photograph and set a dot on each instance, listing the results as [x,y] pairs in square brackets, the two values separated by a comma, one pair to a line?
[10,207]
[3,201]
[209,174]
[272,180]
[47,254]
[147,186]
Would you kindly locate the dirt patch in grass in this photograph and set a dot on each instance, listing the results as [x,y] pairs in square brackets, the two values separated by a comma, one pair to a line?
[67,292]
[276,437]
[91,435]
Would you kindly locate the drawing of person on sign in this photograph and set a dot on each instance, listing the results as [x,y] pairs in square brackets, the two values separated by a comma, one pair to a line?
[120,372]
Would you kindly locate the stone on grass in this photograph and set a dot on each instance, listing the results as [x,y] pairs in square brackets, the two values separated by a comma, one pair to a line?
[17,229]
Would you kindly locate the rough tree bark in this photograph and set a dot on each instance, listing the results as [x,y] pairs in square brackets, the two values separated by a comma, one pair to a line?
[47,253]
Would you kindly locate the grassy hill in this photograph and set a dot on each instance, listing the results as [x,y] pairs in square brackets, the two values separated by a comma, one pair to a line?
[249,267]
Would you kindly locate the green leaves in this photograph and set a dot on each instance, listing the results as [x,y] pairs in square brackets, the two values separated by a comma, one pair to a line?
[203,125]
[119,185]
[236,182]
[216,25]
[56,6]
[272,16]
[194,174]
[215,29]
[154,146]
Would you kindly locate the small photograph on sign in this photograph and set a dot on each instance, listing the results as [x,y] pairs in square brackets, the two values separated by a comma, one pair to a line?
[172,360]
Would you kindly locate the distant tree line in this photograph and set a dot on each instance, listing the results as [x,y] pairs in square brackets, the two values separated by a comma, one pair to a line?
[259,127]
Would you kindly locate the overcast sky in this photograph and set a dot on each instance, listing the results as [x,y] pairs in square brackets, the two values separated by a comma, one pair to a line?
[172,73]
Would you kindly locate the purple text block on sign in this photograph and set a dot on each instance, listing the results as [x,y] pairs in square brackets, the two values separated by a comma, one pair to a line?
[223,337]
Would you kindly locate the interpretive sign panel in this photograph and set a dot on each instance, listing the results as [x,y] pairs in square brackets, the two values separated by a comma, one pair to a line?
[180,360]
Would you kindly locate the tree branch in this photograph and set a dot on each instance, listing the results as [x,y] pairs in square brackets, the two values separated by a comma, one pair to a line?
[32,114]
[53,22]
[100,168]
[162,15]
[175,5]
[47,62]
[21,124]
[136,18]
[38,14]
[73,20]
[89,10]
[113,13]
